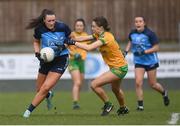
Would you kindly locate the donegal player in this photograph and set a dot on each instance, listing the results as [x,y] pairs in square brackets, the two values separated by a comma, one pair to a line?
[77,62]
[113,57]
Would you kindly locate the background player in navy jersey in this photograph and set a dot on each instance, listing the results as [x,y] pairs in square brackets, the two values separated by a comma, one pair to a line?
[48,33]
[144,46]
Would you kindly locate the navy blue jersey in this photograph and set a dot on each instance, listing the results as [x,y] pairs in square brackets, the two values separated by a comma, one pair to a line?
[143,41]
[53,38]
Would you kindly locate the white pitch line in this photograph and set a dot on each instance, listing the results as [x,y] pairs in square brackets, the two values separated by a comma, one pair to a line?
[174,118]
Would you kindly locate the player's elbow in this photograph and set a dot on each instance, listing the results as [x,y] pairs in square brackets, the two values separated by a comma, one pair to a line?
[156,47]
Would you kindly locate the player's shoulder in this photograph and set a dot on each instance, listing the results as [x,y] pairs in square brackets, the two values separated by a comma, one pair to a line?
[108,35]
[149,32]
[40,29]
[60,24]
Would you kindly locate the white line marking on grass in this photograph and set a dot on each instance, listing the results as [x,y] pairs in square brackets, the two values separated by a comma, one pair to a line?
[174,118]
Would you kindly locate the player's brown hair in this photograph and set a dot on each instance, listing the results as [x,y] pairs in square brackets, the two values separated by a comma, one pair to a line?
[39,20]
[102,21]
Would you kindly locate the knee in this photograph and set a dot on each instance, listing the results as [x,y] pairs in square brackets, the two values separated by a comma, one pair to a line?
[153,85]
[45,88]
[93,85]
[77,83]
[139,84]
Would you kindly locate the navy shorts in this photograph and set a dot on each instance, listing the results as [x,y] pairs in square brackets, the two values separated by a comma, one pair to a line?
[58,65]
[147,67]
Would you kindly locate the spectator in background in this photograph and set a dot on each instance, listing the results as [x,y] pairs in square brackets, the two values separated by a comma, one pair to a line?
[77,62]
[48,33]
[144,46]
[113,57]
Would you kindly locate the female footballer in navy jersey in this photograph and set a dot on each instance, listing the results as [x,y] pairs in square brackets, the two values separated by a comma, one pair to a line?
[144,46]
[48,33]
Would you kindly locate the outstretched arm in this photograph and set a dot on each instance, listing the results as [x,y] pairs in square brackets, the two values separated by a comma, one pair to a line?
[89,47]
[82,38]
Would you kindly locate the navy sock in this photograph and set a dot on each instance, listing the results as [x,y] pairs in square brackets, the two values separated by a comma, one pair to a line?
[108,103]
[47,96]
[163,93]
[140,103]
[31,107]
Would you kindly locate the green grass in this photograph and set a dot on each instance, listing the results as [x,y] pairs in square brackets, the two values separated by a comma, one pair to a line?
[12,106]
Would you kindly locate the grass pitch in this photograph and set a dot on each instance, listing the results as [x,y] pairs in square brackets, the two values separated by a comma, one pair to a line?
[12,106]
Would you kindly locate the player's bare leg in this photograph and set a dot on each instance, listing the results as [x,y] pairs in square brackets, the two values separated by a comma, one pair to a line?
[77,78]
[139,76]
[115,85]
[50,82]
[157,86]
[96,86]
[40,80]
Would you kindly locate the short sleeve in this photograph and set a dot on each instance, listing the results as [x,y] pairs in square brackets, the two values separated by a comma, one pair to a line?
[129,37]
[106,38]
[95,36]
[153,38]
[103,40]
[37,34]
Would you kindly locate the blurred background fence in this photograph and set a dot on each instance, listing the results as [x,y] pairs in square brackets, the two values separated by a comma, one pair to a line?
[162,16]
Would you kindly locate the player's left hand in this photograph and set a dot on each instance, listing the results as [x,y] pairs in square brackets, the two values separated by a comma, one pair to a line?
[38,56]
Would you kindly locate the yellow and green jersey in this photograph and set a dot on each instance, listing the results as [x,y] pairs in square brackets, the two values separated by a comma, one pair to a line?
[74,49]
[110,50]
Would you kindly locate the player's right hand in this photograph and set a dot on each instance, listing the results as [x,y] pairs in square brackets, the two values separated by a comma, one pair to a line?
[38,56]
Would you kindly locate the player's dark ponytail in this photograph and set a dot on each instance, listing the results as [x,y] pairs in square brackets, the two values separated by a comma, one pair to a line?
[39,20]
[101,21]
